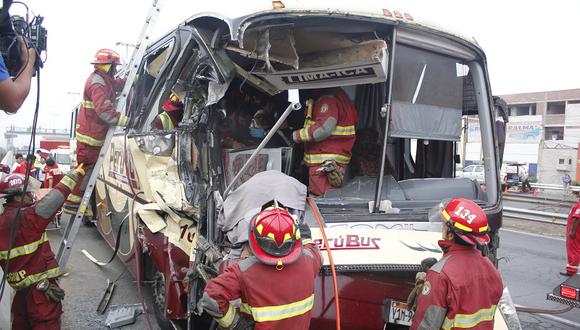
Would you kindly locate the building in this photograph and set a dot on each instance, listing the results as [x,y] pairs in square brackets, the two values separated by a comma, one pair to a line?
[17,139]
[557,152]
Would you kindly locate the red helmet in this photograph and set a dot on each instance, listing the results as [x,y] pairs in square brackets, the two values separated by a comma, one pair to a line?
[106,56]
[274,237]
[15,182]
[172,103]
[464,218]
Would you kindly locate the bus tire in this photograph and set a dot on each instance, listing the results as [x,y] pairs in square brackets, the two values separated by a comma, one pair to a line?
[157,286]
[158,292]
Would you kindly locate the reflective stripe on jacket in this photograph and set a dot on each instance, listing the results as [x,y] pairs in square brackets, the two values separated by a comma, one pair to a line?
[274,299]
[31,258]
[279,312]
[329,131]
[97,111]
[461,291]
[168,120]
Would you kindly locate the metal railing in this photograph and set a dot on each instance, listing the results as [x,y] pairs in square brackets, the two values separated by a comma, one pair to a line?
[543,201]
[537,216]
[39,130]
[554,187]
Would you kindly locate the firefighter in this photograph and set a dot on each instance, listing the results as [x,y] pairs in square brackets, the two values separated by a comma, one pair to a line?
[96,115]
[573,240]
[171,115]
[29,262]
[275,284]
[53,174]
[26,166]
[19,159]
[328,136]
[463,289]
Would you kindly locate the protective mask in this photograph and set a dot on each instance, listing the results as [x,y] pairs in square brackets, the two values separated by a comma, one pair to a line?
[105,68]
[257,132]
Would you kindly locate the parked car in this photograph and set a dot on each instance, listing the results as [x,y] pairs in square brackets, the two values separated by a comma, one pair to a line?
[511,174]
[62,157]
[473,172]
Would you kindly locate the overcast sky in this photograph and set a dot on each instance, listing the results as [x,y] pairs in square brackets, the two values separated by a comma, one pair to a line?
[530,45]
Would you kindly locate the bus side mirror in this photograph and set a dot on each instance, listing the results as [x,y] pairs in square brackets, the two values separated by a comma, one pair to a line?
[457,159]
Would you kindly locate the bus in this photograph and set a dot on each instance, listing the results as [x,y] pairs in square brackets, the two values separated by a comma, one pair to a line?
[164,194]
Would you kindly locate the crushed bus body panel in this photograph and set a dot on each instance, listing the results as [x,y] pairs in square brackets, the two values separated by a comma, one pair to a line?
[162,191]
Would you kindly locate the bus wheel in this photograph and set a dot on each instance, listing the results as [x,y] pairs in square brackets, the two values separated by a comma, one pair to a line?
[158,291]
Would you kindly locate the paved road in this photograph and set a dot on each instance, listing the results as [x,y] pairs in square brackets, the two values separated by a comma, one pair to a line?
[86,283]
[530,270]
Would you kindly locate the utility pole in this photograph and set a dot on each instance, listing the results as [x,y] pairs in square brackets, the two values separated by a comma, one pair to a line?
[73,114]
[73,97]
[127,45]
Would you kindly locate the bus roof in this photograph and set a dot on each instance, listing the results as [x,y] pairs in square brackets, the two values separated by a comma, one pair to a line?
[235,19]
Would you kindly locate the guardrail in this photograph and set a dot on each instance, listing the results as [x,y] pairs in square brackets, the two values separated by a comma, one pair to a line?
[537,216]
[540,200]
[554,186]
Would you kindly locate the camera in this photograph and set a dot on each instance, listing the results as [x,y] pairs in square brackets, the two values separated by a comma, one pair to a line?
[32,32]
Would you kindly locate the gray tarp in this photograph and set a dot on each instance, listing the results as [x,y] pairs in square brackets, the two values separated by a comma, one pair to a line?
[421,121]
[245,201]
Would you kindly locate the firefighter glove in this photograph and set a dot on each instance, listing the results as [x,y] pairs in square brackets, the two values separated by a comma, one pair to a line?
[333,173]
[79,170]
[334,178]
[243,324]
[412,299]
[51,291]
[240,323]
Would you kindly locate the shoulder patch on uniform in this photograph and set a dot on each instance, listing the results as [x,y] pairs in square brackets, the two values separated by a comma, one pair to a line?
[247,263]
[97,80]
[426,288]
[324,108]
[439,265]
[308,253]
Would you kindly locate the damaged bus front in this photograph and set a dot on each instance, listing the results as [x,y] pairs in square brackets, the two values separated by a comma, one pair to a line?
[415,88]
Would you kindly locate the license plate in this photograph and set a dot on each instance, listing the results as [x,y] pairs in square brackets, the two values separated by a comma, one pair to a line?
[398,313]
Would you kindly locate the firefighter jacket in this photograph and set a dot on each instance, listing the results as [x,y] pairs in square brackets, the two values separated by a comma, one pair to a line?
[22,167]
[31,259]
[97,111]
[573,244]
[329,129]
[461,291]
[168,120]
[274,299]
[53,173]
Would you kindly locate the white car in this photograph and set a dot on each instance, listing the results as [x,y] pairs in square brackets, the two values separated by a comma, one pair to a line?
[473,172]
[62,158]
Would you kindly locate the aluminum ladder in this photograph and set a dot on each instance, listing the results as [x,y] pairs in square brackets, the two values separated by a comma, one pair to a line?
[73,225]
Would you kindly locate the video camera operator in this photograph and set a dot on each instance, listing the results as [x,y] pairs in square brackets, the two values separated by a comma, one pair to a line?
[13,91]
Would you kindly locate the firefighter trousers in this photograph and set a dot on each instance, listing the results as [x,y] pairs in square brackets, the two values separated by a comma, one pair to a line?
[31,310]
[573,253]
[88,156]
[317,182]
